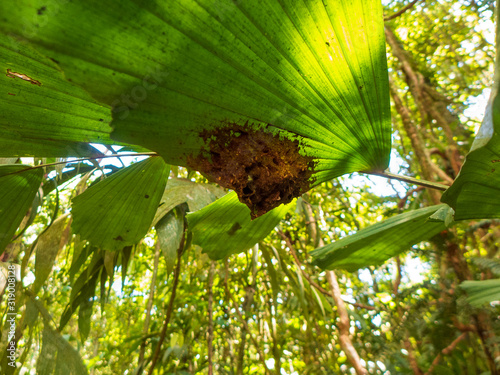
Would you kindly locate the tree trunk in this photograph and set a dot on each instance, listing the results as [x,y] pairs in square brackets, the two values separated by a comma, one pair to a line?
[343,326]
[344,322]
[429,104]
[411,358]
[428,100]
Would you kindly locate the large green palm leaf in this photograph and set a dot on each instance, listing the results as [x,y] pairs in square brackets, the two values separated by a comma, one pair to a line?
[186,78]
[42,114]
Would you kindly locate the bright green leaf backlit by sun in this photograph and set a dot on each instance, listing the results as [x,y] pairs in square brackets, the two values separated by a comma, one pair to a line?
[181,75]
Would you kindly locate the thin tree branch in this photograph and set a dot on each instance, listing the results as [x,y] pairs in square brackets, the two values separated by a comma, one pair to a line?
[429,102]
[411,358]
[308,277]
[86,159]
[243,321]
[397,282]
[403,200]
[401,11]
[210,332]
[343,324]
[110,149]
[481,318]
[445,351]
[170,304]
[463,327]
[149,306]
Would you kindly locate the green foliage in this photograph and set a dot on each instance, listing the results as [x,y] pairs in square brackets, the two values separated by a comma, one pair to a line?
[170,230]
[479,179]
[474,194]
[47,248]
[285,67]
[58,357]
[491,264]
[381,241]
[482,291]
[224,227]
[118,211]
[43,114]
[179,191]
[95,253]
[18,186]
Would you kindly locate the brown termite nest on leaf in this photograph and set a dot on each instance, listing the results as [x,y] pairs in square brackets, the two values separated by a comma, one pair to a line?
[264,170]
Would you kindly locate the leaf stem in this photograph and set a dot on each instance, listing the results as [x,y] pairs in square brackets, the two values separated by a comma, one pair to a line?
[96,157]
[401,11]
[83,159]
[410,180]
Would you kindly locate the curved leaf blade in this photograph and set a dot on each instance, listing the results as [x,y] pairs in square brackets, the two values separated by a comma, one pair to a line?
[224,227]
[68,359]
[119,210]
[375,244]
[48,246]
[18,187]
[170,230]
[179,191]
[482,291]
[475,194]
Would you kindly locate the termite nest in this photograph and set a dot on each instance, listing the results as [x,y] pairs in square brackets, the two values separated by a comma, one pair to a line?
[264,169]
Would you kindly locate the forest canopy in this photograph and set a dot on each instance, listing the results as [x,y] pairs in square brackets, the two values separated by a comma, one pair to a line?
[236,187]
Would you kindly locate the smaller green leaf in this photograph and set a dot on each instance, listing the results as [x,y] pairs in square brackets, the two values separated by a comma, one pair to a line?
[95,266]
[482,291]
[118,211]
[179,191]
[320,302]
[301,288]
[31,314]
[68,356]
[18,187]
[445,215]
[491,264]
[84,287]
[45,364]
[103,275]
[177,339]
[126,254]
[48,246]
[85,314]
[62,366]
[224,227]
[109,262]
[78,299]
[81,253]
[377,243]
[68,360]
[271,271]
[475,193]
[170,230]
